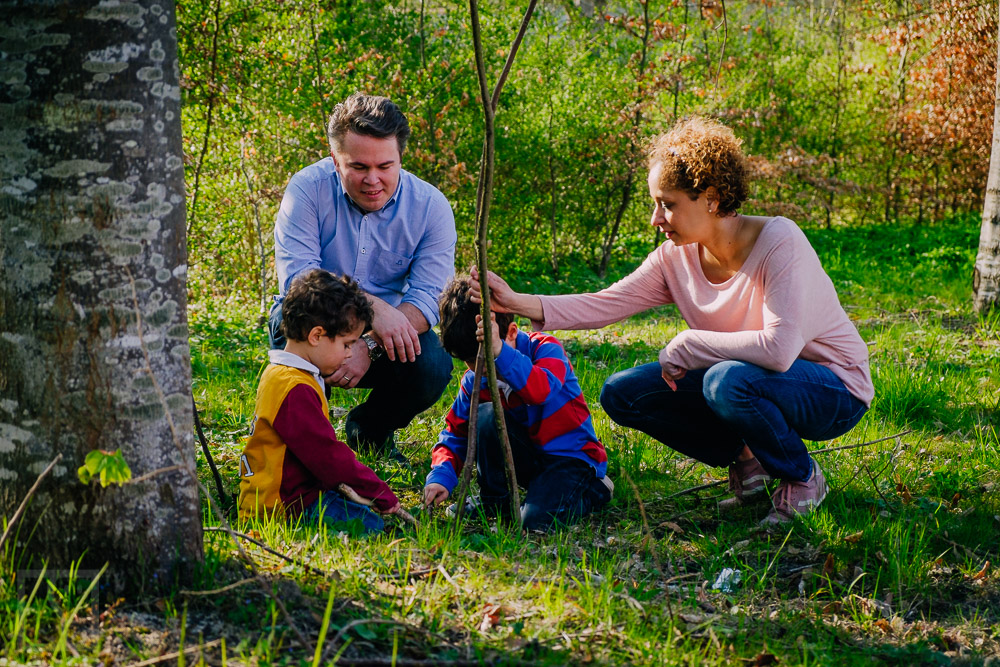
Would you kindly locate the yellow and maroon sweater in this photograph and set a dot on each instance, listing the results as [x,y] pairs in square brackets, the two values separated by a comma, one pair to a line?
[293,454]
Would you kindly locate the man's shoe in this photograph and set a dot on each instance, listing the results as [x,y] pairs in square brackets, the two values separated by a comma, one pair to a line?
[794,498]
[386,450]
[747,481]
[392,453]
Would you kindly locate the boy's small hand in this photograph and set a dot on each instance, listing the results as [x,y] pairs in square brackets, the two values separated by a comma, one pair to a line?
[435,494]
[392,510]
[497,341]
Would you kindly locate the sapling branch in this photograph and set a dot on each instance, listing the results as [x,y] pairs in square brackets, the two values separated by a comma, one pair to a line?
[27,497]
[225,501]
[212,89]
[484,195]
[470,451]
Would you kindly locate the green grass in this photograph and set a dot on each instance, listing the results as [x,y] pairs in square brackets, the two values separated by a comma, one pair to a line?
[889,570]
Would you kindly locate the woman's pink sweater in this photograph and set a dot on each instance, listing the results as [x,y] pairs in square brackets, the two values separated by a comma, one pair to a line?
[779,307]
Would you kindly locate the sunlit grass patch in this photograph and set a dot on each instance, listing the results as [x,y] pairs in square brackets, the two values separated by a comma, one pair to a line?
[890,569]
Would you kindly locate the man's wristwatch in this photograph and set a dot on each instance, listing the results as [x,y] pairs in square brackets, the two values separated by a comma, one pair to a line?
[374,351]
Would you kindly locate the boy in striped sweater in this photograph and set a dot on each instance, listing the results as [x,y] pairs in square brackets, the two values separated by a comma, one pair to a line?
[557,456]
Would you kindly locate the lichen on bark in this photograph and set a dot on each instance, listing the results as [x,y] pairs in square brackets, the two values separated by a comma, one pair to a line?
[93,330]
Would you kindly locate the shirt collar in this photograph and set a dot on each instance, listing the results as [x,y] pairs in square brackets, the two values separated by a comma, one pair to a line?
[285,358]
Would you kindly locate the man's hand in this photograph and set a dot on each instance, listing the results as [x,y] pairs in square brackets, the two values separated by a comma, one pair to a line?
[434,494]
[348,375]
[671,372]
[497,341]
[393,329]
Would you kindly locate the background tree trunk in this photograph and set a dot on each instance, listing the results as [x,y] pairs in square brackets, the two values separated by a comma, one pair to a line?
[986,277]
[93,325]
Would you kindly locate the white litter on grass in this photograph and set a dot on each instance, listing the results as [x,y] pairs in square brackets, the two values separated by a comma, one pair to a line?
[728,580]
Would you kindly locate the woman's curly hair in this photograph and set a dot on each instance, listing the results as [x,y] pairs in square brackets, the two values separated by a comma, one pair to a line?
[699,153]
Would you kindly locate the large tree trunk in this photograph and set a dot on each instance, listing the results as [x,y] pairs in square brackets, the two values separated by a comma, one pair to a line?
[93,326]
[986,277]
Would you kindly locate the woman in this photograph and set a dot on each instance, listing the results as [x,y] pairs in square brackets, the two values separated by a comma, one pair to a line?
[769,358]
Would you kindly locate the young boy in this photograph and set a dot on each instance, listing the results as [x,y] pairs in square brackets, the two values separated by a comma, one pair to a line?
[557,456]
[293,462]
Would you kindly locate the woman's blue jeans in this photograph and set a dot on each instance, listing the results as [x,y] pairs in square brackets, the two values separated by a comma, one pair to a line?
[717,410]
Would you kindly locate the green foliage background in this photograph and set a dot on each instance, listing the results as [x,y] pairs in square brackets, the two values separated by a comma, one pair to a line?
[820,91]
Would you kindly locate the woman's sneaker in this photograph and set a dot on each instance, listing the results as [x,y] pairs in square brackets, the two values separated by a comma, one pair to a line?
[747,481]
[794,498]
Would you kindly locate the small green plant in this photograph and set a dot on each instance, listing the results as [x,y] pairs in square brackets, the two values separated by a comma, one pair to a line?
[108,467]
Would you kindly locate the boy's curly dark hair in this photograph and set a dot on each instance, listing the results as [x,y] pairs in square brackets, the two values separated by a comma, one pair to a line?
[699,153]
[320,298]
[458,320]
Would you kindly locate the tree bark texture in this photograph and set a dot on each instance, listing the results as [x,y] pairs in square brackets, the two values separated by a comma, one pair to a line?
[93,326]
[986,276]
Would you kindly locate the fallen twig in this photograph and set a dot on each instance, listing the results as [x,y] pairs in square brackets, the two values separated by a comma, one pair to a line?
[403,662]
[153,473]
[27,497]
[224,589]
[176,654]
[380,621]
[863,444]
[710,485]
[354,497]
[273,552]
[648,537]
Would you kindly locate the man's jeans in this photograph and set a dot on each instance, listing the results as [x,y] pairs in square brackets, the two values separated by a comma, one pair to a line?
[559,488]
[718,410]
[333,509]
[399,391]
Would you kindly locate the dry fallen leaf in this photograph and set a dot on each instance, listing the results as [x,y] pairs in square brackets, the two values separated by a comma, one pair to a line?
[829,567]
[672,526]
[854,538]
[982,572]
[491,616]
[834,607]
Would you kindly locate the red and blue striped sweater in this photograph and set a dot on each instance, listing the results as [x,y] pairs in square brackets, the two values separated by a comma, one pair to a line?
[544,396]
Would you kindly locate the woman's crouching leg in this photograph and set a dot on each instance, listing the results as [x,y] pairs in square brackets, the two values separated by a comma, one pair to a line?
[639,398]
[772,410]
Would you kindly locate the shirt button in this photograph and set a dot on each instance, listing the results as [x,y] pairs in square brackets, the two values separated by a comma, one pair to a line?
[362,251]
[364,219]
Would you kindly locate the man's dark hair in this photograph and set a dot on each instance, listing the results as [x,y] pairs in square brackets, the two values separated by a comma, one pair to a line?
[320,298]
[369,115]
[458,321]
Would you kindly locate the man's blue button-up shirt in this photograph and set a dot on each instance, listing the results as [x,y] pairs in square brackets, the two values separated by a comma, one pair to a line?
[402,253]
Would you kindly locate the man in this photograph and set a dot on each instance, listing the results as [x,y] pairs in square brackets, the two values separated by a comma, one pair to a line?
[358,213]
